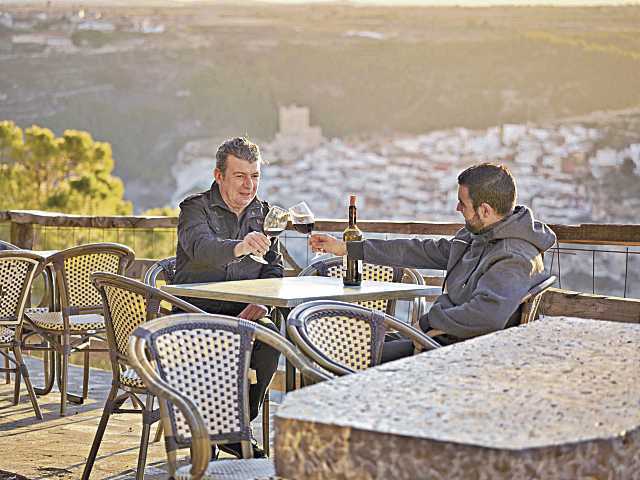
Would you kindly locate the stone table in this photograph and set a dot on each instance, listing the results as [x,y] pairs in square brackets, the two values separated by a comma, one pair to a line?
[558,398]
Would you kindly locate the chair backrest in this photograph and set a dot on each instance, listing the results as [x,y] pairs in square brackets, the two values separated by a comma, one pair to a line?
[162,269]
[333,267]
[199,364]
[127,304]
[531,302]
[74,267]
[17,271]
[8,246]
[344,338]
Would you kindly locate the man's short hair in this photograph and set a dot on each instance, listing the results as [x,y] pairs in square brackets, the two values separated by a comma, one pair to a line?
[240,148]
[491,184]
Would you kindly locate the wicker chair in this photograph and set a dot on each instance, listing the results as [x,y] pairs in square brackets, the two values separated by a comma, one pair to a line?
[165,269]
[128,303]
[333,267]
[531,303]
[198,366]
[17,271]
[80,320]
[345,338]
[46,304]
[8,246]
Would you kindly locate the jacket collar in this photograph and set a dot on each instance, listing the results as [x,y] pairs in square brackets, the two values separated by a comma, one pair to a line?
[216,200]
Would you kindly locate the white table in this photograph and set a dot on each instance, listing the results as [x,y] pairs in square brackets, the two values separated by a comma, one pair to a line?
[288,292]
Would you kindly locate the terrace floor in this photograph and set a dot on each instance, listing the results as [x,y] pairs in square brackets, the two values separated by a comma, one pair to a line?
[57,447]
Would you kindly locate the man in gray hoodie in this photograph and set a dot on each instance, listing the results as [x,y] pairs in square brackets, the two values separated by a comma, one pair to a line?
[491,263]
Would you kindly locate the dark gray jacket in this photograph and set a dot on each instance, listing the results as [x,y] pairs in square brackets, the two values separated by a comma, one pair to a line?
[488,274]
[208,231]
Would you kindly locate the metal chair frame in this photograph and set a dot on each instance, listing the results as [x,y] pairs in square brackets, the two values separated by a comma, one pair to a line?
[116,327]
[147,359]
[63,342]
[301,317]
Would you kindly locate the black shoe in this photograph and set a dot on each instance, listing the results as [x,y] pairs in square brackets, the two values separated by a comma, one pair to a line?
[235,449]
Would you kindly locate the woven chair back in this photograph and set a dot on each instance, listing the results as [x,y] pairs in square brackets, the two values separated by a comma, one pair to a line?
[348,335]
[17,270]
[333,267]
[74,267]
[210,364]
[129,303]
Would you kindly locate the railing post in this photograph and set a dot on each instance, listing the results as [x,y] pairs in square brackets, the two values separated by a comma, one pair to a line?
[23,235]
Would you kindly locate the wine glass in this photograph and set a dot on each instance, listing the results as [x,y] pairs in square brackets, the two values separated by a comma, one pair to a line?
[303,220]
[274,224]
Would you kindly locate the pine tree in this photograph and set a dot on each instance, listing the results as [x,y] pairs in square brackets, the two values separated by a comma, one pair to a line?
[70,174]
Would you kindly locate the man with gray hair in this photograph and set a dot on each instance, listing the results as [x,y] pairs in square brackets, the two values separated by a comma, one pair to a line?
[491,263]
[217,230]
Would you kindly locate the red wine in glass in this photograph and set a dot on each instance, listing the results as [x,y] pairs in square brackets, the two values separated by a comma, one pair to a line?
[304,228]
[273,232]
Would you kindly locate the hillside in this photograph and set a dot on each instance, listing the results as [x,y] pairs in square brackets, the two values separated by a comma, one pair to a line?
[220,71]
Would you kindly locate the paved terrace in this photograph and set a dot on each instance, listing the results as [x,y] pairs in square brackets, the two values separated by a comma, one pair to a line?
[57,447]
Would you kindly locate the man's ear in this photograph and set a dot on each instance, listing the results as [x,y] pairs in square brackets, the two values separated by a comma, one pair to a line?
[485,211]
[217,174]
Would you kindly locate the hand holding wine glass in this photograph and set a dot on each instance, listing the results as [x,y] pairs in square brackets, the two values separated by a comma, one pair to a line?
[303,221]
[274,224]
[325,243]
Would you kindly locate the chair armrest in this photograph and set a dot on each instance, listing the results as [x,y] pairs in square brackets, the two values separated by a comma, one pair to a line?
[306,368]
[434,332]
[424,342]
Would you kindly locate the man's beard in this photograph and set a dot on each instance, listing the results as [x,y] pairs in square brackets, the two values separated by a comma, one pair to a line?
[475,224]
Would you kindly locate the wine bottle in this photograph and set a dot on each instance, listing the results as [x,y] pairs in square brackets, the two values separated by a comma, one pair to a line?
[353,275]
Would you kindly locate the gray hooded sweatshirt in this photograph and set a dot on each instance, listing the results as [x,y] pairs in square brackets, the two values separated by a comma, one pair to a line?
[488,274]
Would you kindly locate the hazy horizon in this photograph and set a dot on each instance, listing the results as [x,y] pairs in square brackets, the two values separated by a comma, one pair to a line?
[425,3]
[465,3]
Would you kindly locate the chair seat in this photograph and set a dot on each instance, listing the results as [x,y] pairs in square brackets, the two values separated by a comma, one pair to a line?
[246,469]
[6,334]
[36,310]
[77,323]
[130,378]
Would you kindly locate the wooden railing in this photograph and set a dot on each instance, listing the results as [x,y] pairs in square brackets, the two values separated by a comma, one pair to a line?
[27,228]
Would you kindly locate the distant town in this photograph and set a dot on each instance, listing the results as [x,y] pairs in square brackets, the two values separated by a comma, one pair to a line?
[61,30]
[559,168]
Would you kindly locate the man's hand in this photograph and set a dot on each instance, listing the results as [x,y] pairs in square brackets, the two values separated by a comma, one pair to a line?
[253,312]
[255,243]
[322,242]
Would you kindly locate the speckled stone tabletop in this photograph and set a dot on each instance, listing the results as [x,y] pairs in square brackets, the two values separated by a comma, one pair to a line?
[558,398]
